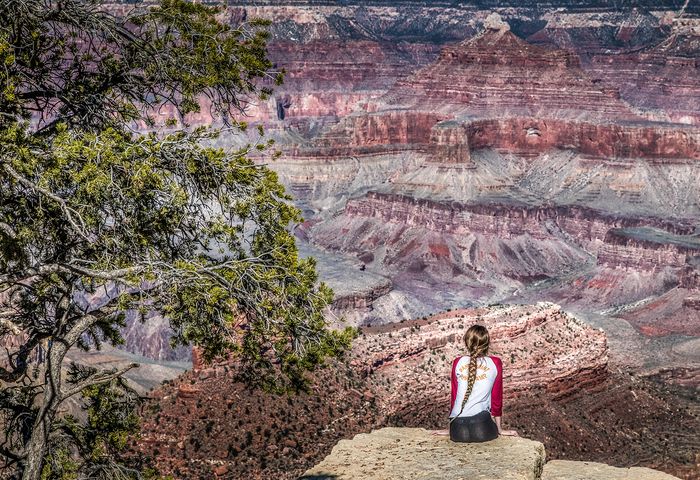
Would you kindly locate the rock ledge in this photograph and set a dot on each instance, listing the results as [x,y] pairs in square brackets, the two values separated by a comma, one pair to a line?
[415,454]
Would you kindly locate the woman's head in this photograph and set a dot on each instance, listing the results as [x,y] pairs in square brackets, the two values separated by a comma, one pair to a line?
[477,340]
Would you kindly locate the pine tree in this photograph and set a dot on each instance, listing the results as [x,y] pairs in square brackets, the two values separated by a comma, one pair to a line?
[98,218]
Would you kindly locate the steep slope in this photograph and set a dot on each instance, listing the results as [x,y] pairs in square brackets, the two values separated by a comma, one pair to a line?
[558,390]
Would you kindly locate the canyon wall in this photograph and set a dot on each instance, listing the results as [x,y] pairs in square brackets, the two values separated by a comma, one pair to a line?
[592,231]
[475,153]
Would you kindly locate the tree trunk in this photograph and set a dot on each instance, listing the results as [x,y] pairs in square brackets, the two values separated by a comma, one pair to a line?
[35,449]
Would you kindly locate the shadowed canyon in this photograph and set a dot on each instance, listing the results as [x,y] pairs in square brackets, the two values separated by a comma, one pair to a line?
[530,166]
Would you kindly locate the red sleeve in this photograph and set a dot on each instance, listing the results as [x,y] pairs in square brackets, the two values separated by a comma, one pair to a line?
[454,383]
[497,389]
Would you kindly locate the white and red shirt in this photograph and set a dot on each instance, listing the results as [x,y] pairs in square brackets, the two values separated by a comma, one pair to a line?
[487,393]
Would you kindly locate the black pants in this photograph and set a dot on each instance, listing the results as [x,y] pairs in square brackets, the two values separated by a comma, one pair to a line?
[477,428]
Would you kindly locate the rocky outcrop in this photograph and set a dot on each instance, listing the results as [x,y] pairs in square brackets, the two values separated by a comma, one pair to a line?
[690,276]
[410,453]
[675,311]
[327,79]
[541,347]
[691,302]
[568,470]
[372,134]
[661,81]
[360,300]
[508,220]
[450,141]
[532,136]
[647,249]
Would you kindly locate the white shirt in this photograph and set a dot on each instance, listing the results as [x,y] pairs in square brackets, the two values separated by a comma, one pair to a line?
[480,397]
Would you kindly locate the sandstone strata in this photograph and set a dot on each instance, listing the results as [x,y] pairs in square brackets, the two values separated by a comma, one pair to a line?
[524,79]
[512,96]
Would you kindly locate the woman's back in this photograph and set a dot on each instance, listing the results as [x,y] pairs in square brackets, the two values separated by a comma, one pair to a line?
[486,393]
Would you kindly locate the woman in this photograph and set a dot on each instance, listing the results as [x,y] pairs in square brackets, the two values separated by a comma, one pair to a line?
[477,392]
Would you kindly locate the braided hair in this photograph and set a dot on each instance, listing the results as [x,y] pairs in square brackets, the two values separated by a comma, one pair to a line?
[477,340]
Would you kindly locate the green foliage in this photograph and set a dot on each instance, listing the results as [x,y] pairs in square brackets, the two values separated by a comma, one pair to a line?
[96,220]
[100,438]
[172,53]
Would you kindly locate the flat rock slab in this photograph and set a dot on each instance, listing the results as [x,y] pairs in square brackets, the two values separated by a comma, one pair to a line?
[570,470]
[415,454]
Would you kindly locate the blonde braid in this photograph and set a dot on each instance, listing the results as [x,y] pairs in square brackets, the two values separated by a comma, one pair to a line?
[477,340]
[471,377]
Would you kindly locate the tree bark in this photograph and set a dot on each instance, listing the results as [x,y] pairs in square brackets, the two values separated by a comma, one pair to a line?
[35,450]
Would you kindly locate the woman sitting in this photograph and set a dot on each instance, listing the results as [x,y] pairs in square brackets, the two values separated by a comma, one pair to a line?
[477,391]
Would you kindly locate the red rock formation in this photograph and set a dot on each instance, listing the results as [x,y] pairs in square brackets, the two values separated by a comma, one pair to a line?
[691,303]
[497,75]
[662,81]
[450,142]
[639,255]
[690,275]
[536,342]
[532,136]
[473,249]
[372,134]
[526,100]
[358,301]
[590,228]
[206,420]
[675,312]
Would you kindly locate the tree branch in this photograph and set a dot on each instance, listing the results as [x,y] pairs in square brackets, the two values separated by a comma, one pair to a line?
[98,378]
[48,269]
[71,214]
[9,231]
